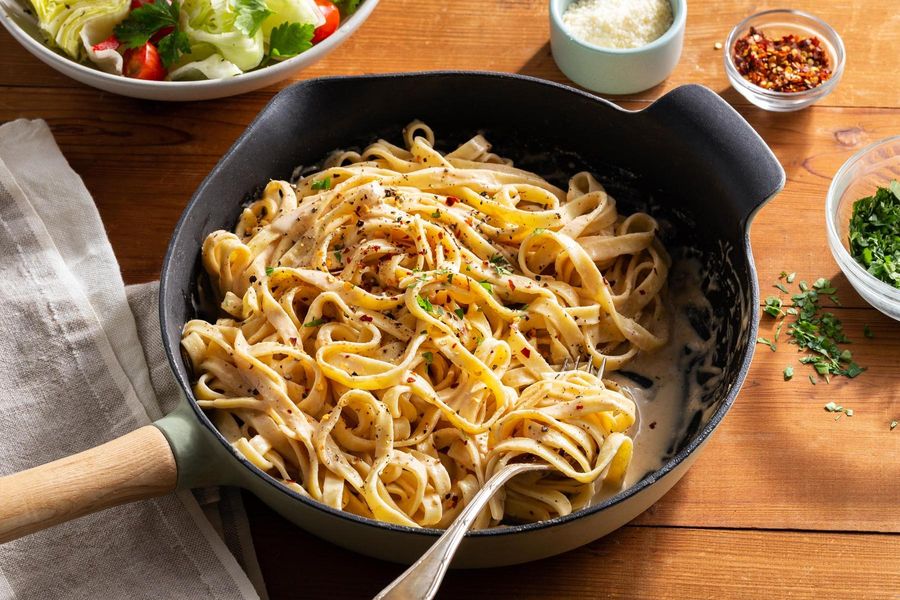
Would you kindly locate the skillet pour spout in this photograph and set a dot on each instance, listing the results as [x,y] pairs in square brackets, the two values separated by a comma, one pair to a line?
[689,159]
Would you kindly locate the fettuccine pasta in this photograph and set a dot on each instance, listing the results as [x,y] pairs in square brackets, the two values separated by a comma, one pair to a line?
[398,325]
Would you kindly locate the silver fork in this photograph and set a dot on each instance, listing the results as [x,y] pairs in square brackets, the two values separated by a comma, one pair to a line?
[422,580]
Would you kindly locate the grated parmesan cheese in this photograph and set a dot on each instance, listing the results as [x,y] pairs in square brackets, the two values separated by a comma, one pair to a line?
[618,23]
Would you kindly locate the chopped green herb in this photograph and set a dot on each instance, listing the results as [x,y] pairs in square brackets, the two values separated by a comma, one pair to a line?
[290,39]
[424,304]
[460,312]
[337,256]
[152,18]
[848,412]
[790,277]
[539,231]
[788,373]
[832,407]
[868,332]
[773,306]
[782,275]
[479,340]
[875,233]
[769,343]
[778,330]
[893,425]
[269,270]
[500,264]
[781,287]
[322,184]
[812,379]
[820,333]
[486,285]
[804,287]
[436,214]
[314,323]
[429,357]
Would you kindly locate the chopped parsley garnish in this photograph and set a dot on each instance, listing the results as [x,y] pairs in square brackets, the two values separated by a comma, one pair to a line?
[781,287]
[773,306]
[790,277]
[337,256]
[290,39]
[429,357]
[868,332]
[486,285]
[322,184]
[839,410]
[269,270]
[424,304]
[769,343]
[501,265]
[788,373]
[818,333]
[143,22]
[315,322]
[436,214]
[875,233]
[893,425]
[460,312]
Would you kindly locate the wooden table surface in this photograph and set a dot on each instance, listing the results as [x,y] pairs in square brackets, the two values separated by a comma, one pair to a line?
[784,501]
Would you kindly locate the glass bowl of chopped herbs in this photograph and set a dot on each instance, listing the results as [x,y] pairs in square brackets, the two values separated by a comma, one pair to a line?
[863,221]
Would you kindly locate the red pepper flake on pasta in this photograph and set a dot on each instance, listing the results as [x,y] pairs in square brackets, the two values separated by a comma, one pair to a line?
[787,64]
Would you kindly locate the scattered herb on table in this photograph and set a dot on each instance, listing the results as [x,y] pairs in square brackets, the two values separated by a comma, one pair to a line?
[893,425]
[769,343]
[838,410]
[875,233]
[773,306]
[788,373]
[818,333]
[868,332]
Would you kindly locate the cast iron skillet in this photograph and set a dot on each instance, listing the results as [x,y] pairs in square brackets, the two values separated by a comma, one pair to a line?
[688,158]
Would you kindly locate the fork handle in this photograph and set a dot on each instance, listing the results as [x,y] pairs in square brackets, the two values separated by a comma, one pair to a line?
[422,580]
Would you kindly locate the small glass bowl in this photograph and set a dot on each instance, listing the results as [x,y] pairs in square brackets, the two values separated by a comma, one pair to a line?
[776,23]
[872,167]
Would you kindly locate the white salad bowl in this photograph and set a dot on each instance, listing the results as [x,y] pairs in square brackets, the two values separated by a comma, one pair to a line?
[23,28]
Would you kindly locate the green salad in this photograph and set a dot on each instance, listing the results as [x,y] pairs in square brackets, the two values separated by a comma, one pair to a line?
[187,39]
[875,233]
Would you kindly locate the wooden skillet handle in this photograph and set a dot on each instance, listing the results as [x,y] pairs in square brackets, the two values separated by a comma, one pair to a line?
[135,466]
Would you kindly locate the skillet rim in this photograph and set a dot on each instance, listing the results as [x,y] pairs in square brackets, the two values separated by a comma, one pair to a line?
[670,465]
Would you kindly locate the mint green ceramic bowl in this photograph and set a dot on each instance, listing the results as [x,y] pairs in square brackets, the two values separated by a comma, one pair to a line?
[616,70]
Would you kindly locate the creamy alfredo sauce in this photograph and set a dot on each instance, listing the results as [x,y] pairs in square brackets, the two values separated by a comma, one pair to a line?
[666,384]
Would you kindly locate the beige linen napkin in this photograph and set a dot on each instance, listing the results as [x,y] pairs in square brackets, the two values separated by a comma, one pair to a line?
[81,362]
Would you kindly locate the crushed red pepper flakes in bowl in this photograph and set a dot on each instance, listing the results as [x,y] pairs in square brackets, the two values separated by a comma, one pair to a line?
[787,64]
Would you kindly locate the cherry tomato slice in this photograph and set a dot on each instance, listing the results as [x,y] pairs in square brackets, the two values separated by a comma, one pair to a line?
[144,63]
[110,43]
[332,20]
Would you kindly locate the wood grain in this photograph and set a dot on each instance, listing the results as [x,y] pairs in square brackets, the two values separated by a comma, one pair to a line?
[634,562]
[135,466]
[784,501]
[513,35]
